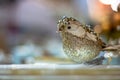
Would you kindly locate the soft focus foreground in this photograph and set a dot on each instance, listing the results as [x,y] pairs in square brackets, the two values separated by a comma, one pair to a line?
[28,35]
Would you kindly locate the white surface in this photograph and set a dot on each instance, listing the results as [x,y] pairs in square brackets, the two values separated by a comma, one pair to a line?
[58,66]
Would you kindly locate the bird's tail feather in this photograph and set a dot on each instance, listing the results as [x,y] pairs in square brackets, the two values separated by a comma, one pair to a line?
[111,48]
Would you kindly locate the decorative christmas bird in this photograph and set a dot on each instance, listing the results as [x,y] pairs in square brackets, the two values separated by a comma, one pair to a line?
[80,42]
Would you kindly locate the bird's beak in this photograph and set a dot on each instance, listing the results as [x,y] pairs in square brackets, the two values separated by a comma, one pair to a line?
[58,30]
[61,28]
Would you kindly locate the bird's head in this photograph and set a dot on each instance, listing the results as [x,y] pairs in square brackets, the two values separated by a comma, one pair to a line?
[70,25]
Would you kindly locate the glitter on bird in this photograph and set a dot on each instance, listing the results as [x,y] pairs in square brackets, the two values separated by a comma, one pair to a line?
[77,41]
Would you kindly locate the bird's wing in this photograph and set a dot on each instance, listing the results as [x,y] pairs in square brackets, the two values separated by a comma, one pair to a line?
[94,36]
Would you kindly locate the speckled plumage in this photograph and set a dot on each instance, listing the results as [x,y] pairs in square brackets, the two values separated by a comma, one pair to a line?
[80,44]
[78,49]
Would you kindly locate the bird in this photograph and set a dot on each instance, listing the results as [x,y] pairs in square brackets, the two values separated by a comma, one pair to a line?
[80,43]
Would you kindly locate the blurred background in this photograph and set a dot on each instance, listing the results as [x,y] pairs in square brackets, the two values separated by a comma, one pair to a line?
[28,27]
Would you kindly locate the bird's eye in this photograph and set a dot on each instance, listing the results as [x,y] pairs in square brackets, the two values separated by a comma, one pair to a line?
[69,27]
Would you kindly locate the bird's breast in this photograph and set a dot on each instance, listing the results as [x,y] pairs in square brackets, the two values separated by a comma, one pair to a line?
[79,49]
